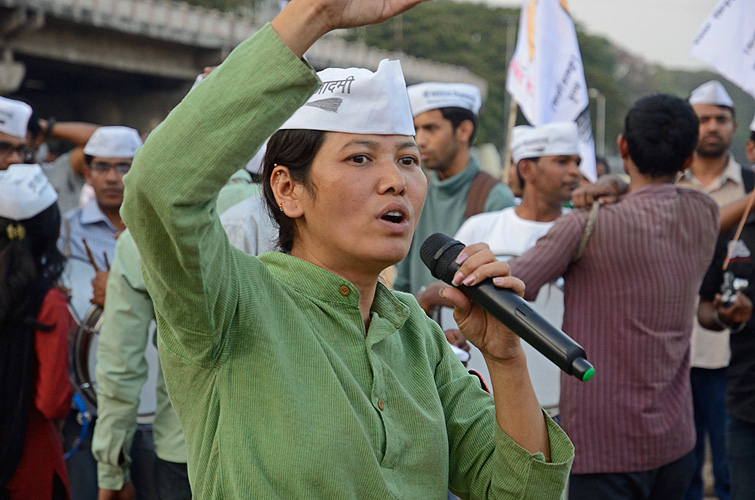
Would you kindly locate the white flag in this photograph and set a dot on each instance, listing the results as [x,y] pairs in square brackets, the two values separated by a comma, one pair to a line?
[726,41]
[546,77]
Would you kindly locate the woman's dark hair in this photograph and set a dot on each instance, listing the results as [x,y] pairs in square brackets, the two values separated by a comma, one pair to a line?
[23,260]
[661,131]
[29,263]
[294,149]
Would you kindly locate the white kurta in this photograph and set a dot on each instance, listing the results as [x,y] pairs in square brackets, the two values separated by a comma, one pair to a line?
[508,235]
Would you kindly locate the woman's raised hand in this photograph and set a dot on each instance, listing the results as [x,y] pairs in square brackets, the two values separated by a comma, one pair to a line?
[302,22]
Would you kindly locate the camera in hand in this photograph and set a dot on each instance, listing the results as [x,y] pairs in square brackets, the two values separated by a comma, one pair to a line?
[730,287]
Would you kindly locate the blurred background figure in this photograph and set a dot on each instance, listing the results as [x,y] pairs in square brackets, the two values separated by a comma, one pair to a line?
[34,326]
[446,120]
[714,171]
[547,167]
[14,117]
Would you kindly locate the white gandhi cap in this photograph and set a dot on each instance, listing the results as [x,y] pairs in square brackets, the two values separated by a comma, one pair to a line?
[358,101]
[552,139]
[711,92]
[24,192]
[113,142]
[434,95]
[516,136]
[14,117]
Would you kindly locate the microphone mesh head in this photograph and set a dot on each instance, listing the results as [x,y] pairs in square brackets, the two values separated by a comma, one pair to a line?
[439,253]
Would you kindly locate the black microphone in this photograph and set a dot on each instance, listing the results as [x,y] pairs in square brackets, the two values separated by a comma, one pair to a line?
[439,254]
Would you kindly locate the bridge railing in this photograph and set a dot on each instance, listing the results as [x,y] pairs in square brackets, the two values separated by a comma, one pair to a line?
[166,19]
[183,23]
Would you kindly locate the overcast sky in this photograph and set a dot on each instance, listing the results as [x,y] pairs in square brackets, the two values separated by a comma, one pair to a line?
[661,31]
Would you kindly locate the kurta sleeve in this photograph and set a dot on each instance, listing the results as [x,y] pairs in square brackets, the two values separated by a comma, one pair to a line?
[121,365]
[171,190]
[484,462]
[53,388]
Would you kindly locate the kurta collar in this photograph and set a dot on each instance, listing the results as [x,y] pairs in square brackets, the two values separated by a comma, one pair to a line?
[664,189]
[732,172]
[322,285]
[91,214]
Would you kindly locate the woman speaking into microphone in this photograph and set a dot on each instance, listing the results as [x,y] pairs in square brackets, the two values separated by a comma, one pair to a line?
[298,374]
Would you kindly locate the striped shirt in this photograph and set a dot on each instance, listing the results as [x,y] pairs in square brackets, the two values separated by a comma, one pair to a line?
[629,301]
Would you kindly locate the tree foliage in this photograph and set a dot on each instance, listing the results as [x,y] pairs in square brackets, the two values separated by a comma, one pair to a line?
[243,7]
[482,39]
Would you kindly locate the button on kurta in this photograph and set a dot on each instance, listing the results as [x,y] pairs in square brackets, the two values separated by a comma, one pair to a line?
[344,290]
[381,405]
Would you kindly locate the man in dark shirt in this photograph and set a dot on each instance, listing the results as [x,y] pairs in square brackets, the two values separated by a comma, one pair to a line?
[715,312]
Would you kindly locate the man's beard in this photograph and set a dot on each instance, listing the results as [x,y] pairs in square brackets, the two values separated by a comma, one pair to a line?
[715,151]
[443,163]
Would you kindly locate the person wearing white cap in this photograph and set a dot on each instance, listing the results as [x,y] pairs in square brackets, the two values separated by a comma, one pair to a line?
[93,229]
[14,116]
[34,324]
[628,298]
[445,116]
[108,154]
[514,182]
[715,171]
[297,374]
[25,135]
[547,162]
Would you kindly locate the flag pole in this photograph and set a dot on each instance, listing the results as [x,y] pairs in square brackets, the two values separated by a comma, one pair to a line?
[746,213]
[507,153]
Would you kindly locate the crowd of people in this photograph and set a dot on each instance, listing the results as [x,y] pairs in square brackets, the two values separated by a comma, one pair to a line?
[250,344]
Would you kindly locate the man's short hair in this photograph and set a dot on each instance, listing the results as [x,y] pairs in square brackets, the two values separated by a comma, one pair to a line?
[458,115]
[534,159]
[33,125]
[661,131]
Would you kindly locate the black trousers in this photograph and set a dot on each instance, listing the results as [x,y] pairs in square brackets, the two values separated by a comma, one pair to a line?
[668,482]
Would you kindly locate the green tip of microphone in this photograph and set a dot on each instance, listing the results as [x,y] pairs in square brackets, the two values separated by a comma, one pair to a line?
[582,369]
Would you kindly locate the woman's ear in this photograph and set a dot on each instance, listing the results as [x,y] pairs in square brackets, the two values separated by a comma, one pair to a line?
[286,192]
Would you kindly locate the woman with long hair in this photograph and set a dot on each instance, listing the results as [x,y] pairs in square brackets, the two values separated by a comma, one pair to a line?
[297,374]
[34,325]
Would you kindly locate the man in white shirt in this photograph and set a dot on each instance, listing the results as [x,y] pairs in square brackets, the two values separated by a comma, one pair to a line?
[547,162]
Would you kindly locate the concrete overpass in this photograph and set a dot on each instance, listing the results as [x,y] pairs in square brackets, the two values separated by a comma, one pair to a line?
[130,61]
